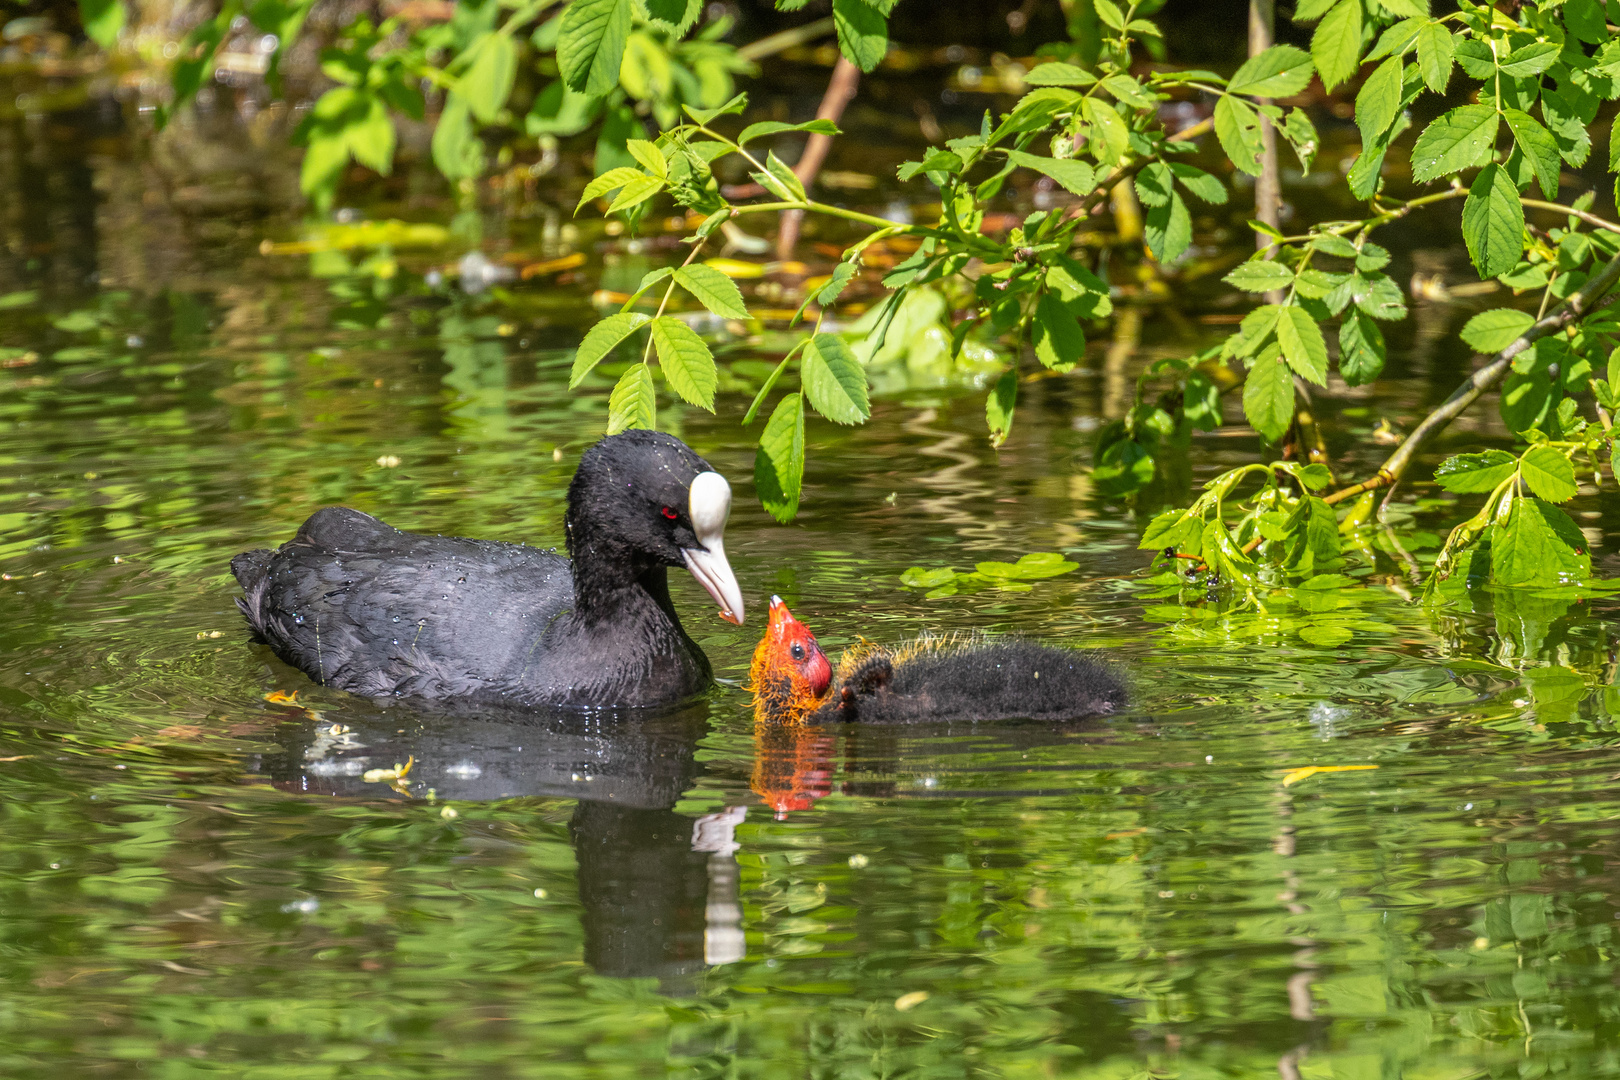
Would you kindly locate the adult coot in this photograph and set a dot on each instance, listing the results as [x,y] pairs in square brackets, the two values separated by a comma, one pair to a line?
[360,605]
[930,679]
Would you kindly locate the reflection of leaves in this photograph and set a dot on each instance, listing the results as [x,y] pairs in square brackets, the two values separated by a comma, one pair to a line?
[1009,577]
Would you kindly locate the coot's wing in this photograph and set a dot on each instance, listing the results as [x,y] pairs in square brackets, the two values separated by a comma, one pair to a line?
[360,605]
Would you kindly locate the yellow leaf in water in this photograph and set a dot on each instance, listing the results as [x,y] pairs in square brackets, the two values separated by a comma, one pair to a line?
[907,1002]
[736,268]
[1294,776]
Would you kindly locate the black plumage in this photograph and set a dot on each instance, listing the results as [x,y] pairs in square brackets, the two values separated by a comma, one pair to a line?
[360,605]
[972,680]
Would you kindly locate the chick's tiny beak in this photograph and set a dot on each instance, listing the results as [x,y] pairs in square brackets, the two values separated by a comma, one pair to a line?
[709,503]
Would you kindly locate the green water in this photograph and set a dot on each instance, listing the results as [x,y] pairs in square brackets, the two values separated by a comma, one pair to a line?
[198,881]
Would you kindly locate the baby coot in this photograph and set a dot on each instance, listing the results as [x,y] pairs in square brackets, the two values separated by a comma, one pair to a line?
[365,607]
[930,679]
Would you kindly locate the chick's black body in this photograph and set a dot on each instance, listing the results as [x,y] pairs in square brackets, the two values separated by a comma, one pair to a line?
[368,608]
[977,680]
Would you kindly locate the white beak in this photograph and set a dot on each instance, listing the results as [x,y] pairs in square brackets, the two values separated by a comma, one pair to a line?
[709,502]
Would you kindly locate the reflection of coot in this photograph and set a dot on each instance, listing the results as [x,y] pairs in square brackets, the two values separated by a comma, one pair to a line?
[659,894]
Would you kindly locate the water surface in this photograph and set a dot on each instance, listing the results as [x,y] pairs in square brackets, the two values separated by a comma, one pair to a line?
[198,878]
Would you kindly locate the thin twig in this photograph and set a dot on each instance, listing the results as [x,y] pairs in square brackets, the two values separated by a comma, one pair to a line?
[1590,219]
[1484,379]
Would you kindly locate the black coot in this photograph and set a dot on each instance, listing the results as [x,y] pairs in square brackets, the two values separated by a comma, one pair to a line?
[362,606]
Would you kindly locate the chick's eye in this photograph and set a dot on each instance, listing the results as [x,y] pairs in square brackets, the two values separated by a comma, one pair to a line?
[669,512]
[797,650]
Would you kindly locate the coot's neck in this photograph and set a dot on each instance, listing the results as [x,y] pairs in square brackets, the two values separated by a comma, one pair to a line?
[611,582]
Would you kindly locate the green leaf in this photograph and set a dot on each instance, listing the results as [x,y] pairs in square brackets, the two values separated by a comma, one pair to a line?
[1461,139]
[634,402]
[488,82]
[1260,275]
[1110,14]
[1035,566]
[1056,74]
[1435,49]
[1302,344]
[1256,328]
[1311,10]
[1268,395]
[1529,397]
[1492,331]
[703,116]
[1200,183]
[1301,135]
[370,136]
[1168,230]
[1237,126]
[687,363]
[1110,135]
[1538,546]
[1336,45]
[648,157]
[102,20]
[1280,71]
[1326,635]
[457,150]
[1059,342]
[1155,184]
[22,298]
[676,16]
[920,577]
[590,44]
[1172,528]
[1474,474]
[834,381]
[1587,20]
[1361,349]
[998,408]
[1493,222]
[1567,123]
[779,180]
[1549,473]
[635,192]
[1074,176]
[611,180]
[1398,40]
[322,167]
[1538,147]
[1533,59]
[1130,92]
[775,127]
[601,340]
[863,38]
[1379,101]
[779,462]
[713,290]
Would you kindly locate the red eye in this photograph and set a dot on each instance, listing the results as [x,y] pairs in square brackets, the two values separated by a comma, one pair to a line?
[669,512]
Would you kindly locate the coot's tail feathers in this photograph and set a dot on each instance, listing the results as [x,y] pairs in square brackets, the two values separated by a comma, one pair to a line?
[252,570]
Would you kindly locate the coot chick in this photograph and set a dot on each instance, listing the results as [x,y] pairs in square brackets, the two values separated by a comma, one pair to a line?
[933,678]
[365,607]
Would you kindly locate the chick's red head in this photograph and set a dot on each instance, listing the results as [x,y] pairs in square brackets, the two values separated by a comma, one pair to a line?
[790,674]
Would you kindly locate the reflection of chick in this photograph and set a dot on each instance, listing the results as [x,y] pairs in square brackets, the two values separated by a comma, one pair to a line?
[932,678]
